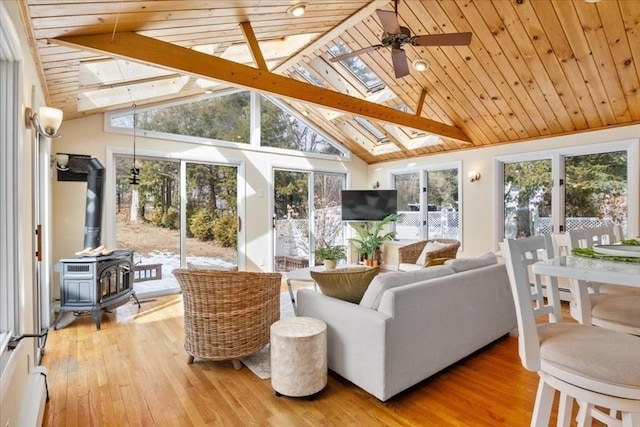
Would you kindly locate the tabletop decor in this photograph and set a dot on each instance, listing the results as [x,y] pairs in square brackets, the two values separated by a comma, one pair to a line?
[591,253]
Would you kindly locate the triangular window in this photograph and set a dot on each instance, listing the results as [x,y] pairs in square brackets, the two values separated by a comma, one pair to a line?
[281,129]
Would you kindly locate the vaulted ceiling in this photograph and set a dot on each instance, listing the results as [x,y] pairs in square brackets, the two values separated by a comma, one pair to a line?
[533,68]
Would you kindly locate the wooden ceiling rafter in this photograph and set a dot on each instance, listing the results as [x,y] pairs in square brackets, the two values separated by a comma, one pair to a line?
[159,53]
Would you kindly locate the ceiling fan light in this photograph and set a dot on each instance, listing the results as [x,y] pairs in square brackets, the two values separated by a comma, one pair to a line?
[592,1]
[297,10]
[420,65]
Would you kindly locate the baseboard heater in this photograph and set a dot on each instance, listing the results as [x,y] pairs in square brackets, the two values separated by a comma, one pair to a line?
[36,397]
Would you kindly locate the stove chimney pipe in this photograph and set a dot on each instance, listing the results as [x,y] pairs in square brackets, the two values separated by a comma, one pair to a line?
[95,192]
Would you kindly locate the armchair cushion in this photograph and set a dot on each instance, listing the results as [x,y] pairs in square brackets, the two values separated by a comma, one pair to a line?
[348,284]
[429,248]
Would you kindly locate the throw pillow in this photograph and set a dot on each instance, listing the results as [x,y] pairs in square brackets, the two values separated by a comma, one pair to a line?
[436,261]
[429,247]
[381,283]
[464,264]
[348,284]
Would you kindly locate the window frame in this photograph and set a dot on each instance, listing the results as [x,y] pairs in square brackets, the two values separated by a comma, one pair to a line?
[11,141]
[422,173]
[254,138]
[557,156]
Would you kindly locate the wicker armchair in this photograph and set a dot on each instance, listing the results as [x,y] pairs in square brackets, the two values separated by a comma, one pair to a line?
[227,314]
[409,254]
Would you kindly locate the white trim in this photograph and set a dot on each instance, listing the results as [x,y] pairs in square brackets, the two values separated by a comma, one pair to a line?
[11,143]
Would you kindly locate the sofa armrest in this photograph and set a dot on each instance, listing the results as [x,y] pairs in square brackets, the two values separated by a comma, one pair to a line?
[356,338]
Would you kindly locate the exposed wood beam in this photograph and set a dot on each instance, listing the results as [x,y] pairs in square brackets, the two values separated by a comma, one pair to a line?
[158,53]
[254,47]
[423,95]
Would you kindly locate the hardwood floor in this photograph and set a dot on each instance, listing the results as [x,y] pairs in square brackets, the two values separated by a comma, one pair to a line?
[134,372]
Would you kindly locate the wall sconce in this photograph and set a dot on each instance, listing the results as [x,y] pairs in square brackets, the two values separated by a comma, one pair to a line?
[62,162]
[474,176]
[297,10]
[420,65]
[46,122]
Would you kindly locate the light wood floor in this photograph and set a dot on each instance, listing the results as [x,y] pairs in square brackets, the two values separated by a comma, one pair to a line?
[134,372]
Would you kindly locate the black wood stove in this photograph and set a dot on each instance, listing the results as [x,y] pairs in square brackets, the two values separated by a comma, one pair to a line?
[101,282]
[96,283]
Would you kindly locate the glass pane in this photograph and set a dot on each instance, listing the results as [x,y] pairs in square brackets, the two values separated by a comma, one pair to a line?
[225,118]
[357,67]
[443,217]
[148,218]
[327,214]
[527,199]
[280,129]
[596,190]
[409,223]
[212,216]
[291,217]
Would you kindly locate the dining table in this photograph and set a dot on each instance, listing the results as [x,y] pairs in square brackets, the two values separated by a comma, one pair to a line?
[581,270]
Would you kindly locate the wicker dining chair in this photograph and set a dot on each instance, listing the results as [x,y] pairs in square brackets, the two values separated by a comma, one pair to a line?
[227,314]
[409,254]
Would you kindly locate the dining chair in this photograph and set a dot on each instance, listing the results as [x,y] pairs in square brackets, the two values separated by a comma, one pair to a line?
[603,235]
[601,304]
[596,367]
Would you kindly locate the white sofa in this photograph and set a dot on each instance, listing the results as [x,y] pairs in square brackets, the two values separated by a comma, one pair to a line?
[411,325]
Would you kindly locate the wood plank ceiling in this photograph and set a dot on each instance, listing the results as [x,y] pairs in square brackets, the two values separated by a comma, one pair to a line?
[534,68]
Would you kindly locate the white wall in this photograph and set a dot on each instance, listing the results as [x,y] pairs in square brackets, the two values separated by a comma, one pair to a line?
[478,198]
[14,378]
[86,136]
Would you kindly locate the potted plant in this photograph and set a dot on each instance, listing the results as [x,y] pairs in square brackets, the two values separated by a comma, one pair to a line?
[331,254]
[371,235]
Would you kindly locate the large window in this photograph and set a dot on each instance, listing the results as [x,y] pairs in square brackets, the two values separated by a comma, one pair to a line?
[555,191]
[230,118]
[429,203]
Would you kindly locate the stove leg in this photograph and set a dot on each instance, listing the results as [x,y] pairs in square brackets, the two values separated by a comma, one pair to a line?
[96,314]
[135,297]
[58,317]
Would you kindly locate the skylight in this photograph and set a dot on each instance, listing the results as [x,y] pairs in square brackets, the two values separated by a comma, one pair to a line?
[380,136]
[358,68]
[310,77]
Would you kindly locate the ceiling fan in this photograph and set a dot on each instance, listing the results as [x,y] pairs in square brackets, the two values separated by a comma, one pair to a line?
[395,36]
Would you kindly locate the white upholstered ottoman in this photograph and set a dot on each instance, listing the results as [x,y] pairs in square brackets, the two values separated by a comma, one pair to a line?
[298,356]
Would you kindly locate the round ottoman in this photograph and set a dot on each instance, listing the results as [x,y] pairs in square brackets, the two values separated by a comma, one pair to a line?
[298,356]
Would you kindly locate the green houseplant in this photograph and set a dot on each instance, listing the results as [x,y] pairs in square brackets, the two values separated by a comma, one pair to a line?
[331,254]
[371,235]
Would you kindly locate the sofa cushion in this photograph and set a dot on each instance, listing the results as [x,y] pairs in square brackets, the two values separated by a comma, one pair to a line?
[429,247]
[463,264]
[381,283]
[405,266]
[347,284]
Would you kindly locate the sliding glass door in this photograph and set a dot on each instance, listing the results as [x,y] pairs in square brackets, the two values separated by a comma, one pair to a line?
[164,233]
[299,196]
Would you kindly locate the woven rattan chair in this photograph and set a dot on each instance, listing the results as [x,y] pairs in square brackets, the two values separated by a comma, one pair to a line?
[409,254]
[227,314]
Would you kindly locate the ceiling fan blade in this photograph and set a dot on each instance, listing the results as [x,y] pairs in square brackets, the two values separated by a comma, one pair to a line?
[400,64]
[389,21]
[453,39]
[355,53]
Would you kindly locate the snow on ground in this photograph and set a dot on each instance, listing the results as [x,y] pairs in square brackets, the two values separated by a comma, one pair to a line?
[170,261]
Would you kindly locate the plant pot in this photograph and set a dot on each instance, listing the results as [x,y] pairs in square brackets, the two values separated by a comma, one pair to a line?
[330,264]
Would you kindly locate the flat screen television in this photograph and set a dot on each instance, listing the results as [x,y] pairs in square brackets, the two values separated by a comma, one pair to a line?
[368,205]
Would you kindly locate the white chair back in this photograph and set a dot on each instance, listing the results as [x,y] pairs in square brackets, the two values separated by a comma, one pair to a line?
[528,295]
[562,244]
[602,235]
